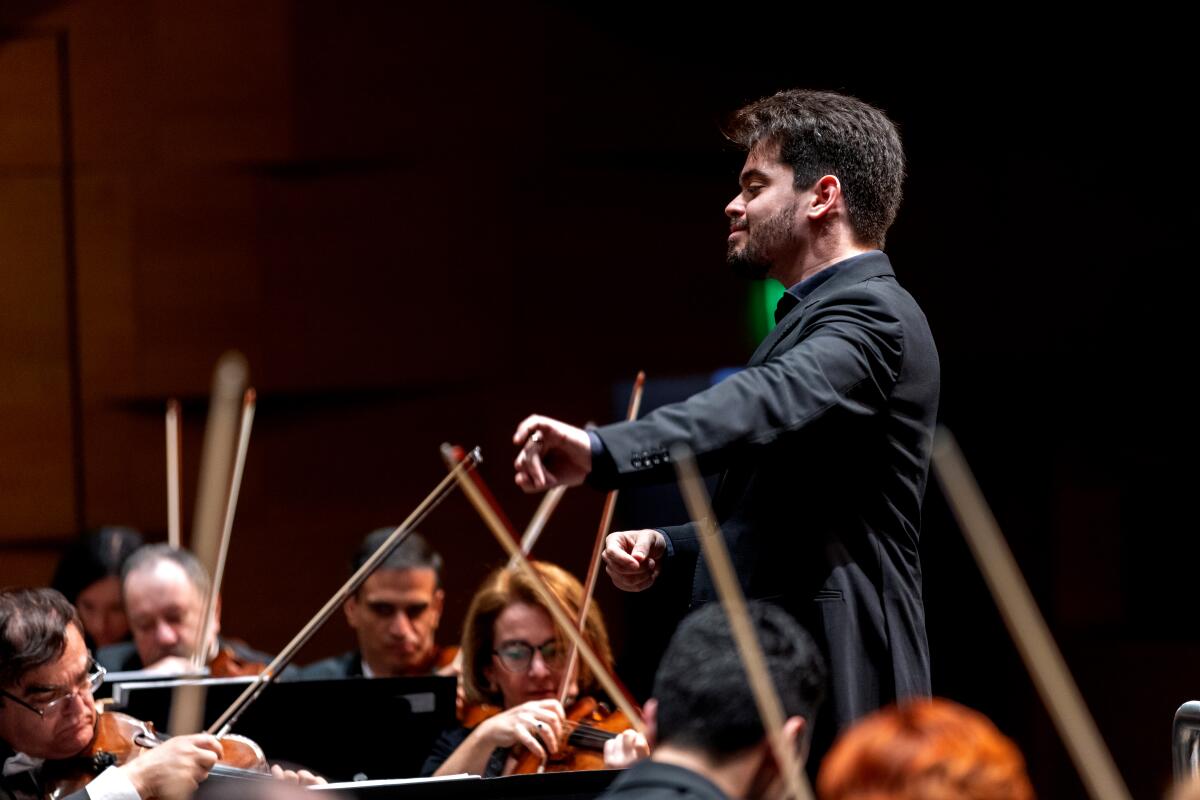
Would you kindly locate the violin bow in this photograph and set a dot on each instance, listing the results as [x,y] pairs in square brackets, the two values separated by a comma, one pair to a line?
[606,517]
[174,462]
[216,460]
[716,554]
[227,719]
[204,635]
[1025,623]
[483,501]
[540,517]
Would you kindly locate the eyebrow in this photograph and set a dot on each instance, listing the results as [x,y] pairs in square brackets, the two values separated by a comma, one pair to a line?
[750,174]
[42,689]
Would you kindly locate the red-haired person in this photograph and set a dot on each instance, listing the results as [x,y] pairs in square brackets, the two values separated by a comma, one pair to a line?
[924,750]
[514,657]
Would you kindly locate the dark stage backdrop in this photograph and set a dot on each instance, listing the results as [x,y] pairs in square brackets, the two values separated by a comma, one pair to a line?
[422,222]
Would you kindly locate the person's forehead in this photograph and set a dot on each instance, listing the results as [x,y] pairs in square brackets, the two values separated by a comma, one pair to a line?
[160,584]
[63,670]
[764,157]
[523,621]
[414,581]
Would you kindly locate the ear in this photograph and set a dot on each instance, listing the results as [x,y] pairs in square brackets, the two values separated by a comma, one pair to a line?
[350,609]
[650,717]
[439,601]
[795,734]
[827,194]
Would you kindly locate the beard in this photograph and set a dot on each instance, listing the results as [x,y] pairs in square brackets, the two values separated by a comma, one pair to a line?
[754,257]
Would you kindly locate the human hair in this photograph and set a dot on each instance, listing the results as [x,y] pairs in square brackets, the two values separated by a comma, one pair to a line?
[704,698]
[924,750]
[33,630]
[151,554]
[95,555]
[505,587]
[825,133]
[413,553]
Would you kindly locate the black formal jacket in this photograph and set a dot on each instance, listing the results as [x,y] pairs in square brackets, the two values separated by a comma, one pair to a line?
[347,665]
[123,657]
[651,780]
[823,445]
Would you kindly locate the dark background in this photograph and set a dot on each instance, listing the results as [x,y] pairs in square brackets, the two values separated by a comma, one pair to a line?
[421,223]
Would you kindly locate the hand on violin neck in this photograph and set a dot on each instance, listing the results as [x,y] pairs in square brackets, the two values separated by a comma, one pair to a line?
[173,769]
[538,725]
[552,454]
[633,559]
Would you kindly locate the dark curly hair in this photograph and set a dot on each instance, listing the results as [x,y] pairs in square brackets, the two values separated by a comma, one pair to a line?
[825,133]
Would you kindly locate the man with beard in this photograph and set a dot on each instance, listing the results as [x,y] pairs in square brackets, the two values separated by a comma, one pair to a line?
[823,440]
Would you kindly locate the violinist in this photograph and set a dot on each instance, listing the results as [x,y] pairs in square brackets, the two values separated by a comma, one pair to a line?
[164,590]
[515,659]
[394,614]
[46,709]
[704,734]
[89,576]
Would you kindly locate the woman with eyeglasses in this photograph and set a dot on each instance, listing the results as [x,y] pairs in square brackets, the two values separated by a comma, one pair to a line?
[514,658]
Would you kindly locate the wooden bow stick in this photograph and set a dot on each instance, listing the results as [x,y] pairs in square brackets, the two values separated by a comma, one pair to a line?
[204,635]
[1025,623]
[229,381]
[606,517]
[227,719]
[473,487]
[174,463]
[716,554]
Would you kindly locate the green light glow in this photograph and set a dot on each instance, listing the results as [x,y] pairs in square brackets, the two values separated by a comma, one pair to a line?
[764,295]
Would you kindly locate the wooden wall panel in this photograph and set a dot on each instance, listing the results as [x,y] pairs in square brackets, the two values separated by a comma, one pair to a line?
[36,467]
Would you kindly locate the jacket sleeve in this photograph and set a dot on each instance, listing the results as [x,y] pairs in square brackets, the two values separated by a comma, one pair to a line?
[844,365]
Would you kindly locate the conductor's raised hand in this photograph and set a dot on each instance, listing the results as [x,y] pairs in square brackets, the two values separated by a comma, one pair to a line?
[552,454]
[633,559]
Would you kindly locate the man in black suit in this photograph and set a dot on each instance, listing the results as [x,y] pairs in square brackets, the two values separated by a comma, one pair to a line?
[46,710]
[823,440]
[703,731]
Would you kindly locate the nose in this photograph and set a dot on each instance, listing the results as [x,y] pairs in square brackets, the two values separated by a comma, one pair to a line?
[402,627]
[736,208]
[537,665]
[165,634]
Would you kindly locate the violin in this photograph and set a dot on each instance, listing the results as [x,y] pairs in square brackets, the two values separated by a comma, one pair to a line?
[590,724]
[228,664]
[120,738]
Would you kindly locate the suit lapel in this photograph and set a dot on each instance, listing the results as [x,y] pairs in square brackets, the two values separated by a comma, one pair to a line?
[868,265]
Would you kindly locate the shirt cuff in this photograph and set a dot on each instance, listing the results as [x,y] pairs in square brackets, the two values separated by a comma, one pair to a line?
[112,784]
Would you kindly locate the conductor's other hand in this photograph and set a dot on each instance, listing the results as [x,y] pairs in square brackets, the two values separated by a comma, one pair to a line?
[633,559]
[552,454]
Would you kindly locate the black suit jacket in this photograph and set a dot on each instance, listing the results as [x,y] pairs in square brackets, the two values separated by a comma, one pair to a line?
[347,665]
[651,780]
[823,442]
[123,657]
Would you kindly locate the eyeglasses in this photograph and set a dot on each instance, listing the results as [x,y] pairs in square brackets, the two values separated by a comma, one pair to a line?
[516,656]
[91,682]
